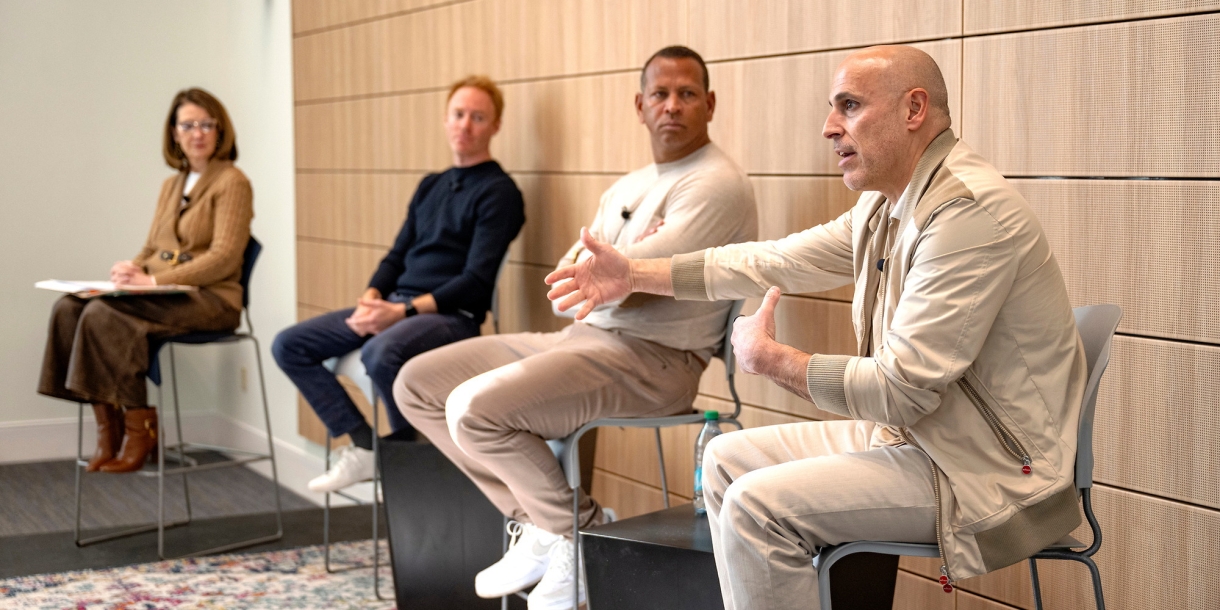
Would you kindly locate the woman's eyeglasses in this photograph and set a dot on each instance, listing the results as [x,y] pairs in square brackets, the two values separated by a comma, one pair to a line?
[203,126]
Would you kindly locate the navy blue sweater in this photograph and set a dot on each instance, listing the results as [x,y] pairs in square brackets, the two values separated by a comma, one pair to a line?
[458,228]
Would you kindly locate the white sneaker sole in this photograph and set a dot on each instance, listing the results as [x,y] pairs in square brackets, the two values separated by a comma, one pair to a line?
[507,588]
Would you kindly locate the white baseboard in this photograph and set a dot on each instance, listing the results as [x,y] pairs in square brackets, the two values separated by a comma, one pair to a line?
[56,439]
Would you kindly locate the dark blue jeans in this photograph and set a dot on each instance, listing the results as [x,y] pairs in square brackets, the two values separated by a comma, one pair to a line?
[300,350]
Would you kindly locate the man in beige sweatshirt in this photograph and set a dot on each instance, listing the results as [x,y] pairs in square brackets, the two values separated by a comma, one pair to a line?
[963,400]
[490,403]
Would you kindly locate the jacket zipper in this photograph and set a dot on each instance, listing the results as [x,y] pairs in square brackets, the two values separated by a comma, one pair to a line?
[946,581]
[1007,439]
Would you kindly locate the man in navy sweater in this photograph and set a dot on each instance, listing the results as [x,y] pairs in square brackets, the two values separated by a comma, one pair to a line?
[433,288]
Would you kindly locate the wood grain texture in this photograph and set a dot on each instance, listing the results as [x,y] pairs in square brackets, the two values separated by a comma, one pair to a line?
[364,209]
[985,16]
[506,39]
[968,601]
[788,205]
[1157,428]
[770,112]
[724,29]
[628,498]
[310,15]
[333,276]
[1136,244]
[918,593]
[811,325]
[1090,101]
[556,207]
[403,132]
[524,306]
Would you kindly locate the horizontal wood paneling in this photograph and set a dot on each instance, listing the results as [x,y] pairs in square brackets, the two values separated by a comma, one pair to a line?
[356,208]
[722,29]
[983,16]
[403,132]
[770,112]
[556,207]
[1091,101]
[1141,244]
[333,276]
[918,593]
[967,601]
[787,205]
[314,14]
[812,325]
[628,498]
[523,303]
[507,39]
[1157,427]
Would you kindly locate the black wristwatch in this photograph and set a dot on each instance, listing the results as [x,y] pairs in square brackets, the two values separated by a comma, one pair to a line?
[410,311]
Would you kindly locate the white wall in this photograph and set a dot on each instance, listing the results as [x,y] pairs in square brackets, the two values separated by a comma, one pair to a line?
[84,88]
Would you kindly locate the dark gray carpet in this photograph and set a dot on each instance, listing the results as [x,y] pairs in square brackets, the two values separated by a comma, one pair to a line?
[38,497]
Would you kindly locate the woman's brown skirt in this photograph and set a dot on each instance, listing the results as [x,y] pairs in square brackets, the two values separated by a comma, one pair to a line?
[97,349]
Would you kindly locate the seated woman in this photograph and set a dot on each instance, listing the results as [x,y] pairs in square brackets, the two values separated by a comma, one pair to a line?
[97,350]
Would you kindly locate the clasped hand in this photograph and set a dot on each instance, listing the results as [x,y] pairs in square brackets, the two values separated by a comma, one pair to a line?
[602,278]
[126,273]
[374,314]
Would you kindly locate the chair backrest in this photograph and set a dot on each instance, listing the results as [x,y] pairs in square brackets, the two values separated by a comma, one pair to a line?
[1096,325]
[725,353]
[249,257]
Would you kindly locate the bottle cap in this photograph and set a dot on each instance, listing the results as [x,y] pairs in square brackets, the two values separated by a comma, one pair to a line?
[711,415]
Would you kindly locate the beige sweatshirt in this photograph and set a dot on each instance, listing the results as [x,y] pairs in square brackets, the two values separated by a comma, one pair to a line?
[700,201]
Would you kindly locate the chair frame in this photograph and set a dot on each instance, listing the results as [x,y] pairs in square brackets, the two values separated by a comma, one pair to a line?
[187,465]
[1096,321]
[567,449]
[349,365]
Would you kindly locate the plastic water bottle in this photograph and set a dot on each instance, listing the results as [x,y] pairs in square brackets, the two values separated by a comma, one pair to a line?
[711,429]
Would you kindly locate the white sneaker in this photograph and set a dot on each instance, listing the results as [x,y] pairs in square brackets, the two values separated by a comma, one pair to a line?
[523,565]
[352,466]
[554,591]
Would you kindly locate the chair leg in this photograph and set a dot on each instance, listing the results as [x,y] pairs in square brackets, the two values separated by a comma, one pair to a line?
[376,504]
[576,548]
[186,490]
[80,433]
[1033,577]
[661,462]
[326,514]
[275,473]
[1096,577]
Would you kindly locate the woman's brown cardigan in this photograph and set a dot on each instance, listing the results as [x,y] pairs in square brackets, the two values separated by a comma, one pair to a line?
[211,231]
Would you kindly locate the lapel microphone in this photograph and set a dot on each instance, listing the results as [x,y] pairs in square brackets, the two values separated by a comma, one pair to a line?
[626,213]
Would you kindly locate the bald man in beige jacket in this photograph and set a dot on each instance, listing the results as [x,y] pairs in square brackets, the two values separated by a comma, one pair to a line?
[964,398]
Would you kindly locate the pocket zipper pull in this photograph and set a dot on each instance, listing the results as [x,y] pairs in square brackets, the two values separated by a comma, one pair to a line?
[1026,468]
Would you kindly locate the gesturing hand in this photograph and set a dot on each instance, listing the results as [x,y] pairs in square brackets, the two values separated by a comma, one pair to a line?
[601,278]
[754,337]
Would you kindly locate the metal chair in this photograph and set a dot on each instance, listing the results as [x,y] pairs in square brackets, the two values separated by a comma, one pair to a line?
[187,465]
[1096,325]
[350,366]
[567,450]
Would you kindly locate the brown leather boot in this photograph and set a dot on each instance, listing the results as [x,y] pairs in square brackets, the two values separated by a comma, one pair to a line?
[109,435]
[139,442]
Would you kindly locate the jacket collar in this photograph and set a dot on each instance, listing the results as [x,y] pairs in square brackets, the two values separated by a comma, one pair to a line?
[214,169]
[933,156]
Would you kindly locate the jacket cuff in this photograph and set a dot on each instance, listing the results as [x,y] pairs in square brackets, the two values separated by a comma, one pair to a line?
[686,275]
[824,378]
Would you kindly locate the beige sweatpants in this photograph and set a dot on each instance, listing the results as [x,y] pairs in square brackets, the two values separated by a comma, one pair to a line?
[490,403]
[776,494]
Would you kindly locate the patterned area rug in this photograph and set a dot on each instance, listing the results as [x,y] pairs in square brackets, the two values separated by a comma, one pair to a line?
[295,578]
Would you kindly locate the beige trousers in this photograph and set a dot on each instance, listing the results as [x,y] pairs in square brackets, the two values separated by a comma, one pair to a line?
[776,494]
[491,403]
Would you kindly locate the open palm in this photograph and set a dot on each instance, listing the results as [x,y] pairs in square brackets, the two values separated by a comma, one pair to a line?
[602,278]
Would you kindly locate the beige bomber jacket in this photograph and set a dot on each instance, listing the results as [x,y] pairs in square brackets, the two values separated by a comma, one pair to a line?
[979,363]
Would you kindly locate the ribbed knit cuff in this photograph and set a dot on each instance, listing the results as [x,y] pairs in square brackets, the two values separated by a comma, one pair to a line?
[686,275]
[824,378]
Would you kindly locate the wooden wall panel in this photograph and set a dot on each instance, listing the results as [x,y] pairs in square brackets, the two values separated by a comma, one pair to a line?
[1157,427]
[967,601]
[1139,244]
[1091,101]
[310,15]
[724,29]
[556,207]
[984,16]
[390,133]
[812,325]
[917,593]
[507,39]
[628,498]
[333,276]
[523,303]
[364,209]
[770,112]
[787,205]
